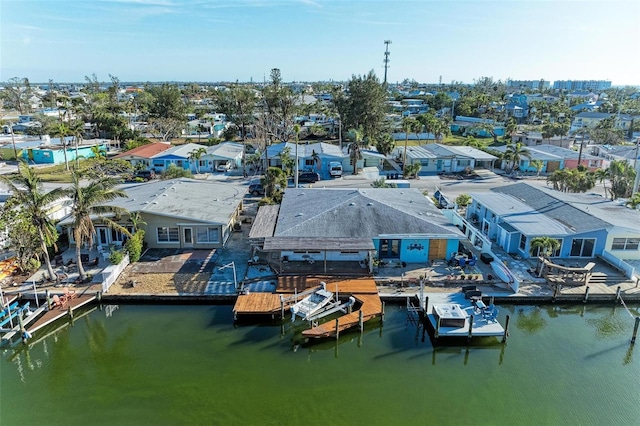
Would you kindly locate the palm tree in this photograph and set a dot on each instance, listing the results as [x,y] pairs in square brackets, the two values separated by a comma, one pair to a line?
[545,246]
[634,201]
[76,129]
[87,205]
[195,156]
[537,164]
[26,190]
[136,220]
[61,130]
[515,152]
[601,176]
[98,152]
[354,149]
[316,159]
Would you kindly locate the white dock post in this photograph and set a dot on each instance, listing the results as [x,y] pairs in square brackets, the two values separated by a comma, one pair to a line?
[337,332]
[360,320]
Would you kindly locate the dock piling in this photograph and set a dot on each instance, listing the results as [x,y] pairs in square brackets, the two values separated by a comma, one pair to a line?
[47,295]
[618,294]
[470,328]
[635,330]
[555,292]
[383,312]
[337,329]
[586,295]
[506,329]
[21,325]
[360,320]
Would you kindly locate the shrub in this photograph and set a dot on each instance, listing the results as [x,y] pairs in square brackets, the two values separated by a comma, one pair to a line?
[116,257]
[134,245]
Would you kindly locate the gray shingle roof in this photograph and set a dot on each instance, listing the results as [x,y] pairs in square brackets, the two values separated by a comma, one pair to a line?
[360,213]
[566,214]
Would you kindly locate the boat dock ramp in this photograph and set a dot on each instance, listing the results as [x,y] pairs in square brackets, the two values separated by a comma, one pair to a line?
[291,290]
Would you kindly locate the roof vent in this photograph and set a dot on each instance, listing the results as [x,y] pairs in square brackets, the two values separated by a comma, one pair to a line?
[146,202]
[164,195]
[133,199]
[155,202]
[410,201]
[300,214]
[369,204]
[352,204]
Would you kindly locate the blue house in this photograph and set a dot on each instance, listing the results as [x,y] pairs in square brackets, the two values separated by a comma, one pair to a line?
[177,155]
[54,152]
[585,225]
[356,225]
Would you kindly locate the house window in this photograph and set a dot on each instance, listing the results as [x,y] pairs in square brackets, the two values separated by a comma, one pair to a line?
[523,242]
[625,244]
[168,235]
[202,163]
[309,162]
[207,235]
[424,162]
[582,247]
[464,163]
[158,164]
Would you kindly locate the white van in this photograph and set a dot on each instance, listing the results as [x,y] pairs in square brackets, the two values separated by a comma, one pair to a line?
[335,169]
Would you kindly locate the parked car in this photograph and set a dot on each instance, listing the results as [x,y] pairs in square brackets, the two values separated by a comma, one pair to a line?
[256,189]
[145,174]
[308,177]
[225,166]
[335,169]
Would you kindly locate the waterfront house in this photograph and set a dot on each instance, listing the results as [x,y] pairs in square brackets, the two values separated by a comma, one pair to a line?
[354,225]
[586,225]
[178,213]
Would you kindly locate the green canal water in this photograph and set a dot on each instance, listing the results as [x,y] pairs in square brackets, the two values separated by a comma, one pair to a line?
[157,365]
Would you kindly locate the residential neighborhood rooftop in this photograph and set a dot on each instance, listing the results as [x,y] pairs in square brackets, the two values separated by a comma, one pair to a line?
[360,213]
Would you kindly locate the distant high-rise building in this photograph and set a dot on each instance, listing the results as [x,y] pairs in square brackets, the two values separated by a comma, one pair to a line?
[529,84]
[593,85]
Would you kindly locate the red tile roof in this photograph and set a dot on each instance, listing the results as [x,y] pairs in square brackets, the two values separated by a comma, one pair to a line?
[145,151]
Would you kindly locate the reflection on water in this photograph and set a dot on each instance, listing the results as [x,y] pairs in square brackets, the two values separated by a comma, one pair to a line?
[191,364]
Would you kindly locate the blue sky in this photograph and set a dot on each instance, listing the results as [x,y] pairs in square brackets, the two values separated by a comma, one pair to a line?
[319,40]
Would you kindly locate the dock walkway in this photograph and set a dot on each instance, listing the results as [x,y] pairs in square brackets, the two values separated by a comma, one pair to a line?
[58,312]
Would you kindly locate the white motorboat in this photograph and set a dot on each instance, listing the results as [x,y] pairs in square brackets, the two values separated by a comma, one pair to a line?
[311,304]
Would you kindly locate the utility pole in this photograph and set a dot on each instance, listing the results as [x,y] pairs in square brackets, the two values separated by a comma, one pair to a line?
[635,166]
[386,59]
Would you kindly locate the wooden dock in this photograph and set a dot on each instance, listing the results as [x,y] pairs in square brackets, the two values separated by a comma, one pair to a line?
[371,307]
[257,304]
[270,303]
[58,312]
